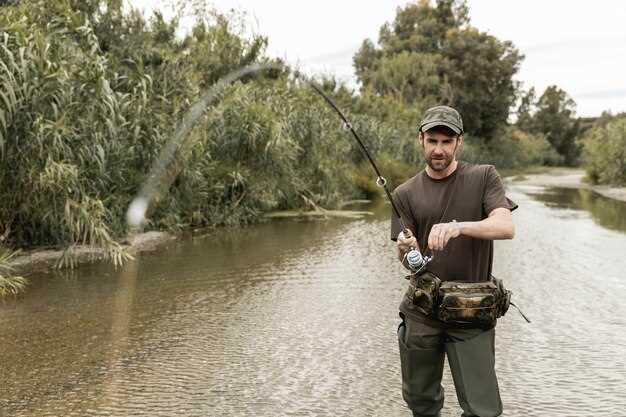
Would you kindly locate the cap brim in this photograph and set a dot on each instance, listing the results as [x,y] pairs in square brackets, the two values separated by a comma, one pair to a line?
[430,125]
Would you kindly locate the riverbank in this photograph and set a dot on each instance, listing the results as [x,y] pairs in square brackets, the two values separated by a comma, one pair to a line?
[44,259]
[567,178]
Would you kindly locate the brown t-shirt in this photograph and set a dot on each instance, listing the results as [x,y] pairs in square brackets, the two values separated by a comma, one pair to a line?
[470,193]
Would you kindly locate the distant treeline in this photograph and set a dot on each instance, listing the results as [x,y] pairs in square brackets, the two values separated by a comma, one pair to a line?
[90,93]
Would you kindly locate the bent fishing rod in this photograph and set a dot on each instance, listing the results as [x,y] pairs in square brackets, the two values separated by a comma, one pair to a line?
[414,258]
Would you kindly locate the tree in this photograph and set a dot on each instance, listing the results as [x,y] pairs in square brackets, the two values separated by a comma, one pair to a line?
[555,118]
[429,53]
[394,75]
[480,73]
[604,151]
[526,110]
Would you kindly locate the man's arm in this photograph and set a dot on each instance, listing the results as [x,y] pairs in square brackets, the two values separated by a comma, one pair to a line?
[498,225]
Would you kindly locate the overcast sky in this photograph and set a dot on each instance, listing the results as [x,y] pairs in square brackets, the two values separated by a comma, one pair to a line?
[579,46]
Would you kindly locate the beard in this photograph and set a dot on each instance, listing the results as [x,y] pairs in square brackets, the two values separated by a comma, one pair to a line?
[440,162]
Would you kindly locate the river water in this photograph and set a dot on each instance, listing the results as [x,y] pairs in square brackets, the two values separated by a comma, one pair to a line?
[299,319]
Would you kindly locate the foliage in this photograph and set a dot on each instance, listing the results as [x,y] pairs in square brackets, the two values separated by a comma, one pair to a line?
[430,55]
[552,115]
[514,149]
[89,95]
[604,152]
[9,285]
[45,126]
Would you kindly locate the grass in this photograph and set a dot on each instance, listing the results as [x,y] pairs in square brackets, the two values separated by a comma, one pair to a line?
[12,285]
[9,285]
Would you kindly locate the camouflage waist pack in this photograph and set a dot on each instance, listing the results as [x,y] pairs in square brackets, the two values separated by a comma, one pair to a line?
[478,303]
[456,302]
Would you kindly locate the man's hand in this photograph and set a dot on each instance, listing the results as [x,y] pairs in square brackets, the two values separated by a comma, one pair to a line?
[441,233]
[405,243]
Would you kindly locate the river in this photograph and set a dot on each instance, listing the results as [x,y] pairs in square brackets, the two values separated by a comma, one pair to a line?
[299,318]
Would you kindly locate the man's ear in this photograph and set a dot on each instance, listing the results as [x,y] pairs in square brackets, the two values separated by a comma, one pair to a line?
[420,138]
[460,140]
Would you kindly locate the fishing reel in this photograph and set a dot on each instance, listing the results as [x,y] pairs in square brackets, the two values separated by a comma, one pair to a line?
[416,261]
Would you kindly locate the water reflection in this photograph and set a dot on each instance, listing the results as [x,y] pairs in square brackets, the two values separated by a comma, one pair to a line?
[122,314]
[607,212]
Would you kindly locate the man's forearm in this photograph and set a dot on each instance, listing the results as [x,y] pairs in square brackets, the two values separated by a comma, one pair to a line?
[491,228]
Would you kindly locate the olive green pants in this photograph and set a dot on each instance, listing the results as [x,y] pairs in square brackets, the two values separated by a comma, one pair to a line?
[471,355]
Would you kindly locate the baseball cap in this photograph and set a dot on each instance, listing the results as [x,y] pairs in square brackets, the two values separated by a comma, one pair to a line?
[442,116]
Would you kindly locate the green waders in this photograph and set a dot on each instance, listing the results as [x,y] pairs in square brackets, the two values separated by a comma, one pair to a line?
[471,355]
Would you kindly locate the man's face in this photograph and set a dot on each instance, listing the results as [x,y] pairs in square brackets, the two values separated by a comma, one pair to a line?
[439,149]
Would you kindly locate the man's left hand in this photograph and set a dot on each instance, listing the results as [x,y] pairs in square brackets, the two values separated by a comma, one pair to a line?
[441,233]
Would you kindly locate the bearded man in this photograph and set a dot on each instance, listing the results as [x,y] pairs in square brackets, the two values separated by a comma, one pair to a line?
[454,210]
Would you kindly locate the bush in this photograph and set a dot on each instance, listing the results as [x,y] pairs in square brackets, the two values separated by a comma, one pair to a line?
[83,116]
[9,285]
[513,148]
[604,153]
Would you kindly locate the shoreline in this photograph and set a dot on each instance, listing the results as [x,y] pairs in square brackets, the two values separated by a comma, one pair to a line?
[567,178]
[38,260]
[45,259]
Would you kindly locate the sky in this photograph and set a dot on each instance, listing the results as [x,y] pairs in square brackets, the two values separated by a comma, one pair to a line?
[580,46]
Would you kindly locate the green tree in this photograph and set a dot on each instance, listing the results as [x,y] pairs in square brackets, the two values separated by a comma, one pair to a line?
[604,151]
[395,75]
[526,109]
[429,54]
[480,73]
[555,118]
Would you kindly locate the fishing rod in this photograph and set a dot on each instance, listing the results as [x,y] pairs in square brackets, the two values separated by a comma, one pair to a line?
[414,258]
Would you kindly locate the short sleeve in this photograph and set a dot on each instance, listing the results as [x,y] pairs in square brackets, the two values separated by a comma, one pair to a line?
[494,194]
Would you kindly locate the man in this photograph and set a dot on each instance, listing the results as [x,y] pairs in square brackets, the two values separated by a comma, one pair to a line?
[452,210]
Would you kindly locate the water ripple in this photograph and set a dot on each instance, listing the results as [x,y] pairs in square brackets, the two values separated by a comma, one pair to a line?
[299,319]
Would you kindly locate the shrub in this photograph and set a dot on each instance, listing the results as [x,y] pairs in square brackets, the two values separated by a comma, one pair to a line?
[604,153]
[513,148]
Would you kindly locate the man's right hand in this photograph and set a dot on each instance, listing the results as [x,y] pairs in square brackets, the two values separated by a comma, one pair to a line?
[405,243]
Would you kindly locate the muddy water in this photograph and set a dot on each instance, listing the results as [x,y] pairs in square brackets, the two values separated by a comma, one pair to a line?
[299,318]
